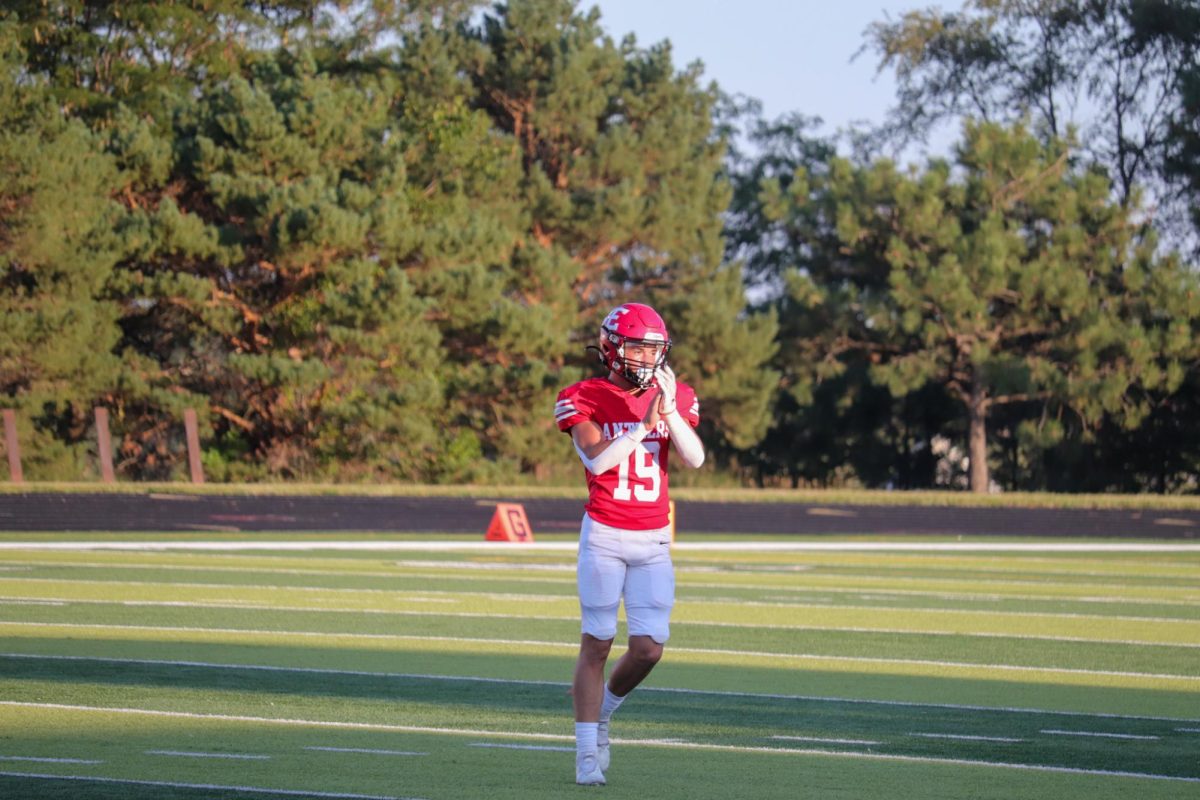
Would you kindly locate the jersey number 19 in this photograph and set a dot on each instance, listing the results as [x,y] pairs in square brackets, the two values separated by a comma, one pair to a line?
[644,461]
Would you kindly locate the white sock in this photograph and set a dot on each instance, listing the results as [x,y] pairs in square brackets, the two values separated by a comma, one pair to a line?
[611,703]
[585,739]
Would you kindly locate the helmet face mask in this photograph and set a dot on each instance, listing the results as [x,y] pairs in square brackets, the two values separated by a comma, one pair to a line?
[629,328]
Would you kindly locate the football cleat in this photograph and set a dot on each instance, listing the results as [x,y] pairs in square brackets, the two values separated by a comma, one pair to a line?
[588,772]
[603,754]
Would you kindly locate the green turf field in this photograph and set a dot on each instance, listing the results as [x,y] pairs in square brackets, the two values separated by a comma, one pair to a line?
[438,674]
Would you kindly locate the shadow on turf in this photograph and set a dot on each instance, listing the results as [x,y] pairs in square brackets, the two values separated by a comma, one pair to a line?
[720,718]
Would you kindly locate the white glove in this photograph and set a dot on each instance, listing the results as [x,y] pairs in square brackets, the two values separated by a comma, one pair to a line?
[665,378]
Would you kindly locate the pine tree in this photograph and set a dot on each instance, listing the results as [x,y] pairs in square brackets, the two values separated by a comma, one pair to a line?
[623,192]
[298,253]
[100,55]
[376,250]
[1011,281]
[57,253]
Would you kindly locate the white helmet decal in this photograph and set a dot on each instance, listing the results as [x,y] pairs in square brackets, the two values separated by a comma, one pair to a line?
[613,316]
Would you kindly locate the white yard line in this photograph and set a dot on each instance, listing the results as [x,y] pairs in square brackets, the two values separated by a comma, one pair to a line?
[964,737]
[522,747]
[413,568]
[8,601]
[914,759]
[648,742]
[272,587]
[703,651]
[194,754]
[699,547]
[308,723]
[51,760]
[682,571]
[486,566]
[1055,732]
[883,590]
[1051,567]
[420,569]
[992,596]
[400,637]
[209,787]
[511,559]
[820,740]
[927,610]
[452,596]
[575,618]
[366,750]
[912,704]
[301,546]
[799,597]
[881,584]
[565,684]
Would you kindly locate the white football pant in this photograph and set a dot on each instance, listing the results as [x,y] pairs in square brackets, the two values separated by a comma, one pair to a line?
[636,565]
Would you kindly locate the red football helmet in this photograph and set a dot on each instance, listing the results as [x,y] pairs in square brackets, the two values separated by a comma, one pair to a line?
[633,323]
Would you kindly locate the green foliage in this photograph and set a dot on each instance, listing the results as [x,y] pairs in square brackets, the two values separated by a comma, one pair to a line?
[370,241]
[1006,278]
[366,242]
[620,182]
[722,355]
[1172,28]
[281,280]
[99,54]
[1118,71]
[57,253]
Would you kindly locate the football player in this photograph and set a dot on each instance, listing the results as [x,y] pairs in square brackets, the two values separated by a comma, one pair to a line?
[622,426]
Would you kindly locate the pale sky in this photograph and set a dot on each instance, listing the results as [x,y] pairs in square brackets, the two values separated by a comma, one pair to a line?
[790,54]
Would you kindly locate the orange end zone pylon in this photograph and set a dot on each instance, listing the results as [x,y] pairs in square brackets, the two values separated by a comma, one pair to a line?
[509,524]
[671,517]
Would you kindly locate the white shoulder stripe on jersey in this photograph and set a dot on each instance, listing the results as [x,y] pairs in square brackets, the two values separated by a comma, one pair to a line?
[566,401]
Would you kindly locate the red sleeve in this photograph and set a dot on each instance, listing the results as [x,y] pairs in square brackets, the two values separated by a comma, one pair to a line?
[688,403]
[572,408]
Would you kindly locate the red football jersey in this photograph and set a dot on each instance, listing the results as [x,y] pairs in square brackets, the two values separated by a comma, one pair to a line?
[632,495]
